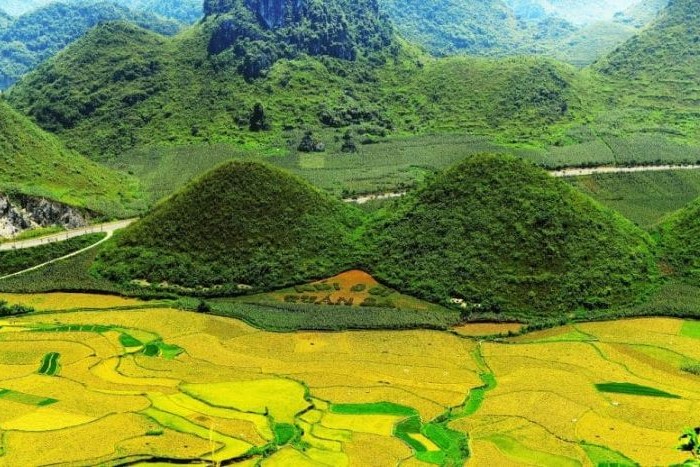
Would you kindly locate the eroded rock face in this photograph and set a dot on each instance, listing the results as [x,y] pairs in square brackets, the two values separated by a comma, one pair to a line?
[277,13]
[259,32]
[25,213]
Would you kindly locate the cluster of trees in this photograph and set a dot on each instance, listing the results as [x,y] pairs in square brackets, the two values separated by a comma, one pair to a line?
[13,310]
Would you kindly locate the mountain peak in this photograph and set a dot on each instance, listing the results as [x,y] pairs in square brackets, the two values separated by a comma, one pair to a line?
[262,31]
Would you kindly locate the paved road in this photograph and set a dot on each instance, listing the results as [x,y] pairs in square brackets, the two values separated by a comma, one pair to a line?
[617,170]
[108,228]
[572,172]
[56,260]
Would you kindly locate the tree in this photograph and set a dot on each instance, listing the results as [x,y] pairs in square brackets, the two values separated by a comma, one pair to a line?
[690,442]
[258,121]
[203,307]
[349,144]
[310,144]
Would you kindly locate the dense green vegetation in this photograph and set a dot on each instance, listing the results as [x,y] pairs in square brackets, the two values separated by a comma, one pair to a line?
[12,261]
[634,389]
[254,34]
[286,318]
[71,275]
[653,76]
[137,89]
[121,88]
[50,365]
[32,38]
[680,240]
[242,223]
[13,310]
[35,163]
[644,197]
[506,237]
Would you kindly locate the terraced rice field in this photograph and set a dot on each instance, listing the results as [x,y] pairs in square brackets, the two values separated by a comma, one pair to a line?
[161,385]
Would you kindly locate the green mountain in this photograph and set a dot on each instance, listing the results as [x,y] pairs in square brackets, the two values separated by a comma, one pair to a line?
[243,223]
[680,242]
[120,87]
[257,33]
[33,37]
[36,163]
[654,75]
[575,32]
[186,11]
[507,237]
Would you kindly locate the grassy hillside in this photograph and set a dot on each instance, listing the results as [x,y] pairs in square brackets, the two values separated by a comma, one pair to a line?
[680,242]
[40,34]
[654,76]
[644,198]
[243,223]
[36,163]
[121,87]
[506,237]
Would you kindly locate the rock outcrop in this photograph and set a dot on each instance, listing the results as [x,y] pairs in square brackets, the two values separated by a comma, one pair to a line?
[21,213]
[259,32]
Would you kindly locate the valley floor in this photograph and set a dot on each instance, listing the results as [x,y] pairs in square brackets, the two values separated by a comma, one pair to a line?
[172,386]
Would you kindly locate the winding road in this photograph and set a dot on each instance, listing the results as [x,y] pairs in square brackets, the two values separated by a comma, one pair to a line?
[56,260]
[108,228]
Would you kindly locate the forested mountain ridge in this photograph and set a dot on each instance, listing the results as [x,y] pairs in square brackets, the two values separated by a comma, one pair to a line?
[184,10]
[30,39]
[574,32]
[257,33]
[136,89]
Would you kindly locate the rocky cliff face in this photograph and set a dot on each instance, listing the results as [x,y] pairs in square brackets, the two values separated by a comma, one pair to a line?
[25,213]
[259,32]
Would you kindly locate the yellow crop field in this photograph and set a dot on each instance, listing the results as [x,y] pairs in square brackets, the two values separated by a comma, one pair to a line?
[226,390]
[69,301]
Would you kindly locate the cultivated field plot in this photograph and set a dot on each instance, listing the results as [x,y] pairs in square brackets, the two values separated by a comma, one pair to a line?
[350,289]
[616,392]
[167,386]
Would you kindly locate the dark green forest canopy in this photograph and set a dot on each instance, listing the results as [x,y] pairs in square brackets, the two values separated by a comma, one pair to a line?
[507,237]
[243,223]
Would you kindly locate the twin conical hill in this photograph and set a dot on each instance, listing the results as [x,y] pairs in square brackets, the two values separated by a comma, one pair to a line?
[243,223]
[503,235]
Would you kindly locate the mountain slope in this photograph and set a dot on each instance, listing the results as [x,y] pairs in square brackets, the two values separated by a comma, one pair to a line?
[183,10]
[35,163]
[575,32]
[243,223]
[120,87]
[505,236]
[680,242]
[36,36]
[655,73]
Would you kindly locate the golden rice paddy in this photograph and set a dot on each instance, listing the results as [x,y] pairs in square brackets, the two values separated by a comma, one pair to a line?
[233,392]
